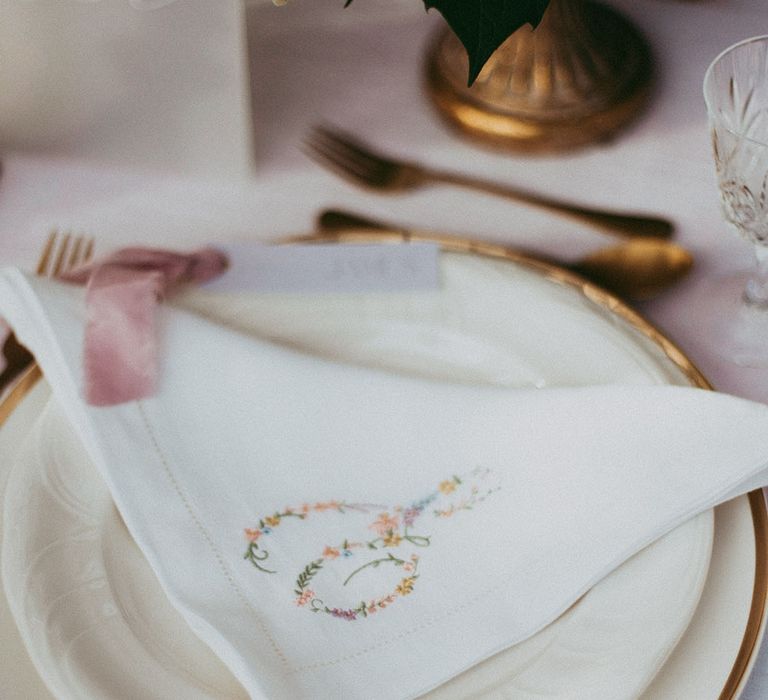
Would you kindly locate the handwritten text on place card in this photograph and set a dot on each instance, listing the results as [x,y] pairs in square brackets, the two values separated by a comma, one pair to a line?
[320,268]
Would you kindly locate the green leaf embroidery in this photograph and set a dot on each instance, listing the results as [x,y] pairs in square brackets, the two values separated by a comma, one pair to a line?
[309,572]
[389,559]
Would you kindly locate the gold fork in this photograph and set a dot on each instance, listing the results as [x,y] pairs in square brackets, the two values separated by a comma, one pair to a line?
[59,255]
[363,166]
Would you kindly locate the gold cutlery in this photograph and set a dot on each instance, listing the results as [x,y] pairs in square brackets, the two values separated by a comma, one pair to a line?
[59,255]
[358,163]
[636,269]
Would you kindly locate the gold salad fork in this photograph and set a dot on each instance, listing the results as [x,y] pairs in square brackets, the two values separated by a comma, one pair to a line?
[363,166]
[60,254]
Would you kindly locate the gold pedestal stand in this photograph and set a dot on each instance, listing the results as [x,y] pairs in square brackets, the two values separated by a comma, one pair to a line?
[576,79]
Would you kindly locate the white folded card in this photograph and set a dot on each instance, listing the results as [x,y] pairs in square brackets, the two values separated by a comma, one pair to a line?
[336,531]
[328,268]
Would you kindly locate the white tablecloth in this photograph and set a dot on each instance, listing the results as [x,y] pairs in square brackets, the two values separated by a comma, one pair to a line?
[360,68]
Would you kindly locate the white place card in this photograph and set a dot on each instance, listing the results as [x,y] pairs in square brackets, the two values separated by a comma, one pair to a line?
[316,268]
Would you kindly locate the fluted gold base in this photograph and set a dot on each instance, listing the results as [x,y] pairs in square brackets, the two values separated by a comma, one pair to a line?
[582,75]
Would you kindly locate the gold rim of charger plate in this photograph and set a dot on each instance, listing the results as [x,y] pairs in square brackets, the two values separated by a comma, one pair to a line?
[601,298]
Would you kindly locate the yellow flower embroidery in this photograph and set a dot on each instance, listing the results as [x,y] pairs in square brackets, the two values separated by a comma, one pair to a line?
[392,539]
[272,520]
[447,487]
[405,586]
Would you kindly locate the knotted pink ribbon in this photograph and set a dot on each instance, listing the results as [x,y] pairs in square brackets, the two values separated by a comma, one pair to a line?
[120,354]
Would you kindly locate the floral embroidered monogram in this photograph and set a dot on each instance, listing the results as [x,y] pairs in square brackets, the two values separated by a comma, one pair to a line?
[391,529]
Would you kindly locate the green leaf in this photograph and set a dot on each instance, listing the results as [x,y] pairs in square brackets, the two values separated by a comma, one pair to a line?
[483,25]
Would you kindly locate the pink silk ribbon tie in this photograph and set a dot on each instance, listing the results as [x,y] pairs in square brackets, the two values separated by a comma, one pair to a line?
[120,352]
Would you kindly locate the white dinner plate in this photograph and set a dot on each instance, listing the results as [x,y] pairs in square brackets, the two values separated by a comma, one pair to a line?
[96,623]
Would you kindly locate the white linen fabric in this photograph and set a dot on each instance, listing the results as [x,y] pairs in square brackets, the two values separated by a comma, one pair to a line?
[337,531]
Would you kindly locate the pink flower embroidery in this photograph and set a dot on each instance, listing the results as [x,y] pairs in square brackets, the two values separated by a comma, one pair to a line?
[305,597]
[386,601]
[330,553]
[252,534]
[384,524]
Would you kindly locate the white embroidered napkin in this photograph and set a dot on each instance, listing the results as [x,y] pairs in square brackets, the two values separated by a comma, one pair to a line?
[335,531]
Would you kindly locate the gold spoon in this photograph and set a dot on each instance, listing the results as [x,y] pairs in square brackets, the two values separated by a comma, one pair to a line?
[637,269]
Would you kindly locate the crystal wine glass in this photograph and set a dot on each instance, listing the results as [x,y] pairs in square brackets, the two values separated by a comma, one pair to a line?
[736,94]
